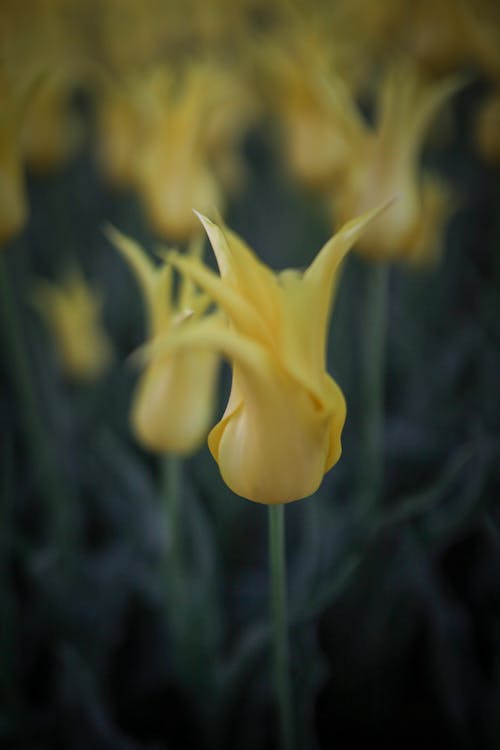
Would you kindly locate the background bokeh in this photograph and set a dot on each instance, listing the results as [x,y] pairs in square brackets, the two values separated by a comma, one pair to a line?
[394,614]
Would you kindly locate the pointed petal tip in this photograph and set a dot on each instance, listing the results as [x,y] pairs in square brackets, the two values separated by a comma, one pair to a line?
[203,219]
[198,214]
[113,234]
[374,212]
[108,229]
[217,221]
[356,226]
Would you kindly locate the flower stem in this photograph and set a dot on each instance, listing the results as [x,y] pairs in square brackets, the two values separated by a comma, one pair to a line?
[8,641]
[172,489]
[281,662]
[373,370]
[37,439]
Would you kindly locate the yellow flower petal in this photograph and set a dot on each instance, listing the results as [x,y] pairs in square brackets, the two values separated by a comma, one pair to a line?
[155,282]
[245,317]
[240,267]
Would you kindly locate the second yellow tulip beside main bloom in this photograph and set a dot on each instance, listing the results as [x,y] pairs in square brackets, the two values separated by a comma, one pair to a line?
[281,429]
[173,404]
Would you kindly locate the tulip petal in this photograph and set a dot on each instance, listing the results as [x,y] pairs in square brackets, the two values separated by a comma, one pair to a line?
[320,279]
[135,256]
[155,282]
[244,317]
[272,447]
[239,266]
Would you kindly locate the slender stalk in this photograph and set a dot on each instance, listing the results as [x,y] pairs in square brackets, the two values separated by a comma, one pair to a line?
[373,371]
[174,572]
[23,384]
[281,663]
[8,682]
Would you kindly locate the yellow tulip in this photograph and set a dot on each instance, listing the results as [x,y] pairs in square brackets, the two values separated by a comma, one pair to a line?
[172,171]
[281,429]
[174,401]
[71,311]
[296,71]
[385,162]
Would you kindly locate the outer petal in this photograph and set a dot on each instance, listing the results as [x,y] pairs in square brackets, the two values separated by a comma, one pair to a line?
[155,282]
[242,314]
[240,267]
[308,300]
[338,411]
[273,447]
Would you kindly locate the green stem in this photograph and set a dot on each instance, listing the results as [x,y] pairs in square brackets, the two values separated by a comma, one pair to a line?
[373,372]
[281,661]
[8,682]
[174,569]
[23,384]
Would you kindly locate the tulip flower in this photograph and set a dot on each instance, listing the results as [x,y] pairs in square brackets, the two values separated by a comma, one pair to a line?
[281,430]
[71,311]
[296,70]
[174,400]
[173,172]
[385,161]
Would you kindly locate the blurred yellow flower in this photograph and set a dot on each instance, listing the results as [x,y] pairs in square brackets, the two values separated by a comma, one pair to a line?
[295,70]
[281,429]
[174,134]
[385,162]
[71,311]
[175,397]
[173,172]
